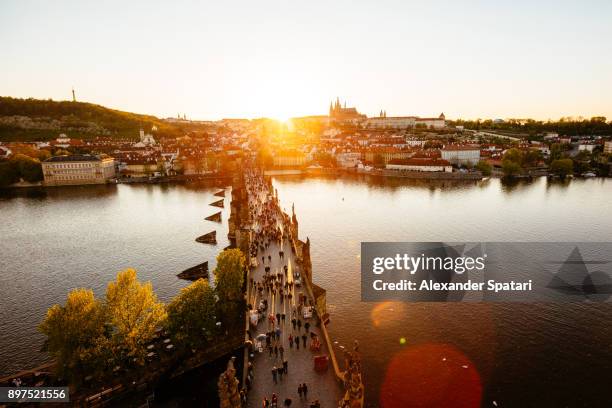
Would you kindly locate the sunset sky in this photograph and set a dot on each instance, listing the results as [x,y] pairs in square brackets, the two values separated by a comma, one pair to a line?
[212,60]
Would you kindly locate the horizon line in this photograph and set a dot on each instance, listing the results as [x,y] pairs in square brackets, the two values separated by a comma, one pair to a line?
[575,118]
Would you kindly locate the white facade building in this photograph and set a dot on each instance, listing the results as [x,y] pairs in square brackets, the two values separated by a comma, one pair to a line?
[78,169]
[348,159]
[404,122]
[434,165]
[146,140]
[586,147]
[461,155]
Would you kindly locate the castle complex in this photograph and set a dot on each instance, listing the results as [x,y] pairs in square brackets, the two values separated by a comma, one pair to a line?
[342,114]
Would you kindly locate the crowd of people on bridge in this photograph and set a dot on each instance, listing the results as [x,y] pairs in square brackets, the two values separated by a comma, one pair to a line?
[274,297]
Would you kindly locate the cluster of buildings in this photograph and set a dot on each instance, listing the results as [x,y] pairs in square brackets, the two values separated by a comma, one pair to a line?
[341,114]
[345,138]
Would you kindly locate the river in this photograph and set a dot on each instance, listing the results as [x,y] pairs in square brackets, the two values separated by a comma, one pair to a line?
[510,354]
[58,239]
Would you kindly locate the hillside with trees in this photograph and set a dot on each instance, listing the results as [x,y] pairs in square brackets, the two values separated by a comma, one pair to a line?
[37,119]
[595,126]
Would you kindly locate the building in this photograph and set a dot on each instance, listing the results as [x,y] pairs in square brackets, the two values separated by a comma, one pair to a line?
[289,158]
[586,147]
[139,167]
[432,123]
[78,169]
[146,140]
[385,154]
[461,154]
[64,142]
[608,147]
[339,113]
[436,165]
[348,159]
[404,122]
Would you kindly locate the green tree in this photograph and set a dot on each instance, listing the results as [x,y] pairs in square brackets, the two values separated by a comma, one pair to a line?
[562,167]
[229,275]
[191,315]
[9,173]
[514,155]
[532,157]
[484,167]
[29,168]
[511,168]
[72,330]
[229,279]
[133,312]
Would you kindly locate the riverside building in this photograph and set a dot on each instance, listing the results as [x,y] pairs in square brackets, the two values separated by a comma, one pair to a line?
[78,169]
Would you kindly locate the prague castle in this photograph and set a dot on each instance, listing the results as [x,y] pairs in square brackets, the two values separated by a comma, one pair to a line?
[344,114]
[339,113]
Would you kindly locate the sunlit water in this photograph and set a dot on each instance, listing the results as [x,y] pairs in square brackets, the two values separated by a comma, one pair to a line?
[520,354]
[58,239]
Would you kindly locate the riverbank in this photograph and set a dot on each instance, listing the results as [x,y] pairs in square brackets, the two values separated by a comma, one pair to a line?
[420,175]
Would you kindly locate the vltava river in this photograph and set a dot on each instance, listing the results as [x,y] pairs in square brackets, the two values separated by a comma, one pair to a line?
[58,239]
[517,355]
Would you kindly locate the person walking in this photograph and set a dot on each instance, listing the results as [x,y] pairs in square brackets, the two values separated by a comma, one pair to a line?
[290,341]
[299,325]
[304,337]
[279,371]
[305,390]
[281,350]
[300,390]
[286,366]
[274,375]
[293,323]
[307,326]
[287,402]
[276,351]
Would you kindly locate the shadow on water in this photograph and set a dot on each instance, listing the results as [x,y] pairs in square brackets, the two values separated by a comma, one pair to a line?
[61,192]
[385,183]
[94,191]
[197,388]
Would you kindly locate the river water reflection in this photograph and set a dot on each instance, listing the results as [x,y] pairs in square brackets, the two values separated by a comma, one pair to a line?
[517,355]
[514,354]
[57,239]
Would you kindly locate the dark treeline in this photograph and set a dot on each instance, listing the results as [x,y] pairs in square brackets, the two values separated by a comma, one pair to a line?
[564,126]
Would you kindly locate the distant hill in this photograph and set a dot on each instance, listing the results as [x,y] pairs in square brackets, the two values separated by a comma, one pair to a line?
[38,119]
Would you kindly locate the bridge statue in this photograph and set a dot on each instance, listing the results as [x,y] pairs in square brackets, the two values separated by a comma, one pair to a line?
[229,396]
[353,385]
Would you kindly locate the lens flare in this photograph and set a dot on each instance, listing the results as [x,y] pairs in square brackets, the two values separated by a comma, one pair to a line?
[431,376]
